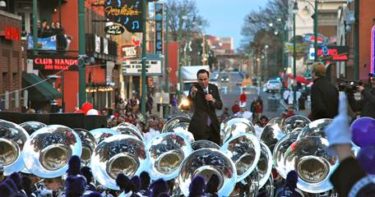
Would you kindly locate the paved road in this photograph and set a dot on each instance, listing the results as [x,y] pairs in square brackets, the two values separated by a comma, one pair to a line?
[231,93]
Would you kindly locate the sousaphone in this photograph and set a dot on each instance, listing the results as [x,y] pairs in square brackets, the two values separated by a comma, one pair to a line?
[118,154]
[32,126]
[12,141]
[206,162]
[179,124]
[130,129]
[165,152]
[234,126]
[244,150]
[47,152]
[88,145]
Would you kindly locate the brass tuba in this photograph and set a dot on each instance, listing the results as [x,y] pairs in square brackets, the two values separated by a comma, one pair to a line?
[130,129]
[118,154]
[206,162]
[47,152]
[12,141]
[88,144]
[244,150]
[235,126]
[179,124]
[199,144]
[32,126]
[166,152]
[101,134]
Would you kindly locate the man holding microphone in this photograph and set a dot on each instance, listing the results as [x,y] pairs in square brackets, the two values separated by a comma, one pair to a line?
[205,99]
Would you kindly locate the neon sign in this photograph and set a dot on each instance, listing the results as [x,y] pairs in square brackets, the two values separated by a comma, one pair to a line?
[12,33]
[333,53]
[55,63]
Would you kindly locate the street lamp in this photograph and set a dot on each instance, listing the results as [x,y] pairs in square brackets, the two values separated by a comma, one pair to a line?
[295,10]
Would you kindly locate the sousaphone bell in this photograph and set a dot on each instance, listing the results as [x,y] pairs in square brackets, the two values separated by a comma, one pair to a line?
[47,152]
[12,141]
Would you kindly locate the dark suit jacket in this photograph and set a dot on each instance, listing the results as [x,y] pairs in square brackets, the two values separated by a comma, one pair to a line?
[202,110]
[324,99]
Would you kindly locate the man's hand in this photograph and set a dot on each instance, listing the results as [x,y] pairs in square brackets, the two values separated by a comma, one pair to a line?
[209,97]
[360,88]
[193,91]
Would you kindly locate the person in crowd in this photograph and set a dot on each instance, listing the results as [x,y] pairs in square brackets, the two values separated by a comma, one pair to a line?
[206,99]
[149,103]
[288,112]
[236,107]
[87,173]
[290,187]
[256,108]
[368,98]
[349,178]
[225,114]
[246,81]
[324,95]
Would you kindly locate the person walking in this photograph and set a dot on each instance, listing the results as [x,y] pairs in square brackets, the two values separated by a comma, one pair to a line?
[206,99]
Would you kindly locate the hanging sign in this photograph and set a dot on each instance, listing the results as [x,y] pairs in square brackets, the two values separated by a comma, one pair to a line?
[158,28]
[126,12]
[114,28]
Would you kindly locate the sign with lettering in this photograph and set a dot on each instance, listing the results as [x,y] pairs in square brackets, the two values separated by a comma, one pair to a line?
[12,33]
[114,28]
[333,53]
[372,49]
[54,63]
[134,67]
[126,12]
[129,52]
[158,28]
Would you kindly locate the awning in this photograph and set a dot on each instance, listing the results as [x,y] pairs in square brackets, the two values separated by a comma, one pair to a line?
[42,91]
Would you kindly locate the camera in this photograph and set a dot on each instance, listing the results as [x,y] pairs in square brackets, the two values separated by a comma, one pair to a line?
[349,86]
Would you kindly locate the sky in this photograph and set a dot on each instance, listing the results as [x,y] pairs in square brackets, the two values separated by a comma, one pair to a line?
[226,17]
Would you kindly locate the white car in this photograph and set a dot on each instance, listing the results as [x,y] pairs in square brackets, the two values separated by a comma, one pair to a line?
[273,85]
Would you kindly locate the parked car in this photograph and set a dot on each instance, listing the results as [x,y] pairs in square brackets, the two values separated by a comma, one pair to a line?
[273,85]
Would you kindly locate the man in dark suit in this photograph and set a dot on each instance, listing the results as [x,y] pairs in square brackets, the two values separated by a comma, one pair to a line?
[324,95]
[205,99]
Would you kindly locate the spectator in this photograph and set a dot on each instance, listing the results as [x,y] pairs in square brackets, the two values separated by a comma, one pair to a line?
[236,107]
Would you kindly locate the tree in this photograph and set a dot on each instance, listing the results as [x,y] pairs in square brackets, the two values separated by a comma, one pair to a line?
[184,18]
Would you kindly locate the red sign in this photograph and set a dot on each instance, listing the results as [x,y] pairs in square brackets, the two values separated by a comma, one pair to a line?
[333,53]
[12,33]
[55,63]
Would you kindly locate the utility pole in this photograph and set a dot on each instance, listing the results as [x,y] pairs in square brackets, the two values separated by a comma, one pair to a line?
[35,24]
[356,40]
[82,52]
[144,57]
[166,50]
[316,30]
[295,10]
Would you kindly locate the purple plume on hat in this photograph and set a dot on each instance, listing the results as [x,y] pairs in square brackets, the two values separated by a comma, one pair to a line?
[158,187]
[5,189]
[145,180]
[17,179]
[291,179]
[87,173]
[123,182]
[136,181]
[74,165]
[213,184]
[366,158]
[75,186]
[197,186]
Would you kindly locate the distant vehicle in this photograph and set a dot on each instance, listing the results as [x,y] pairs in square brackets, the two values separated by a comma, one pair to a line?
[214,78]
[234,78]
[273,85]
